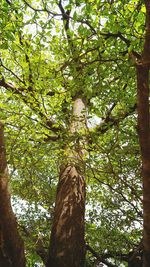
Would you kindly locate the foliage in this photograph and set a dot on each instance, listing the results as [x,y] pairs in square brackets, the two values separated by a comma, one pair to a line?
[43,67]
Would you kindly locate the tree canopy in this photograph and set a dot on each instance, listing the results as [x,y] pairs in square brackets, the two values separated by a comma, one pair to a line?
[51,53]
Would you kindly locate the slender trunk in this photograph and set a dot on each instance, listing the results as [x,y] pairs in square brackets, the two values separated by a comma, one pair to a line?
[144,133]
[67,247]
[11,245]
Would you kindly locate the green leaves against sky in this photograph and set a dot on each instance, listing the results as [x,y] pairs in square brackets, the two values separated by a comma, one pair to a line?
[43,68]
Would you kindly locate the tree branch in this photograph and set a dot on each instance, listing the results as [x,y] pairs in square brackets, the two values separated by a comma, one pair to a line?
[41,9]
[110,121]
[98,257]
[22,93]
[14,74]
[37,241]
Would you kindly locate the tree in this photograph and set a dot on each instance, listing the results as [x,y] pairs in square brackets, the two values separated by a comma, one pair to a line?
[11,245]
[67,234]
[64,65]
[143,67]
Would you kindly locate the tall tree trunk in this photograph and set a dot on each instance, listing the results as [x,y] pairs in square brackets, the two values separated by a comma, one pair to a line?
[67,247]
[11,245]
[143,67]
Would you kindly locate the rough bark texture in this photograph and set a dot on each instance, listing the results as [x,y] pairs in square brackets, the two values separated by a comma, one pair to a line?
[144,133]
[67,247]
[67,237]
[11,245]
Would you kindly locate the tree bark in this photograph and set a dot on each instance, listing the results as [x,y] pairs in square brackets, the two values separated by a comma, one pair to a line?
[143,67]
[135,256]
[11,245]
[67,246]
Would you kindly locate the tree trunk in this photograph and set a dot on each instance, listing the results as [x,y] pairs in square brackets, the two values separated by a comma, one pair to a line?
[11,245]
[143,67]
[67,246]
[135,256]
